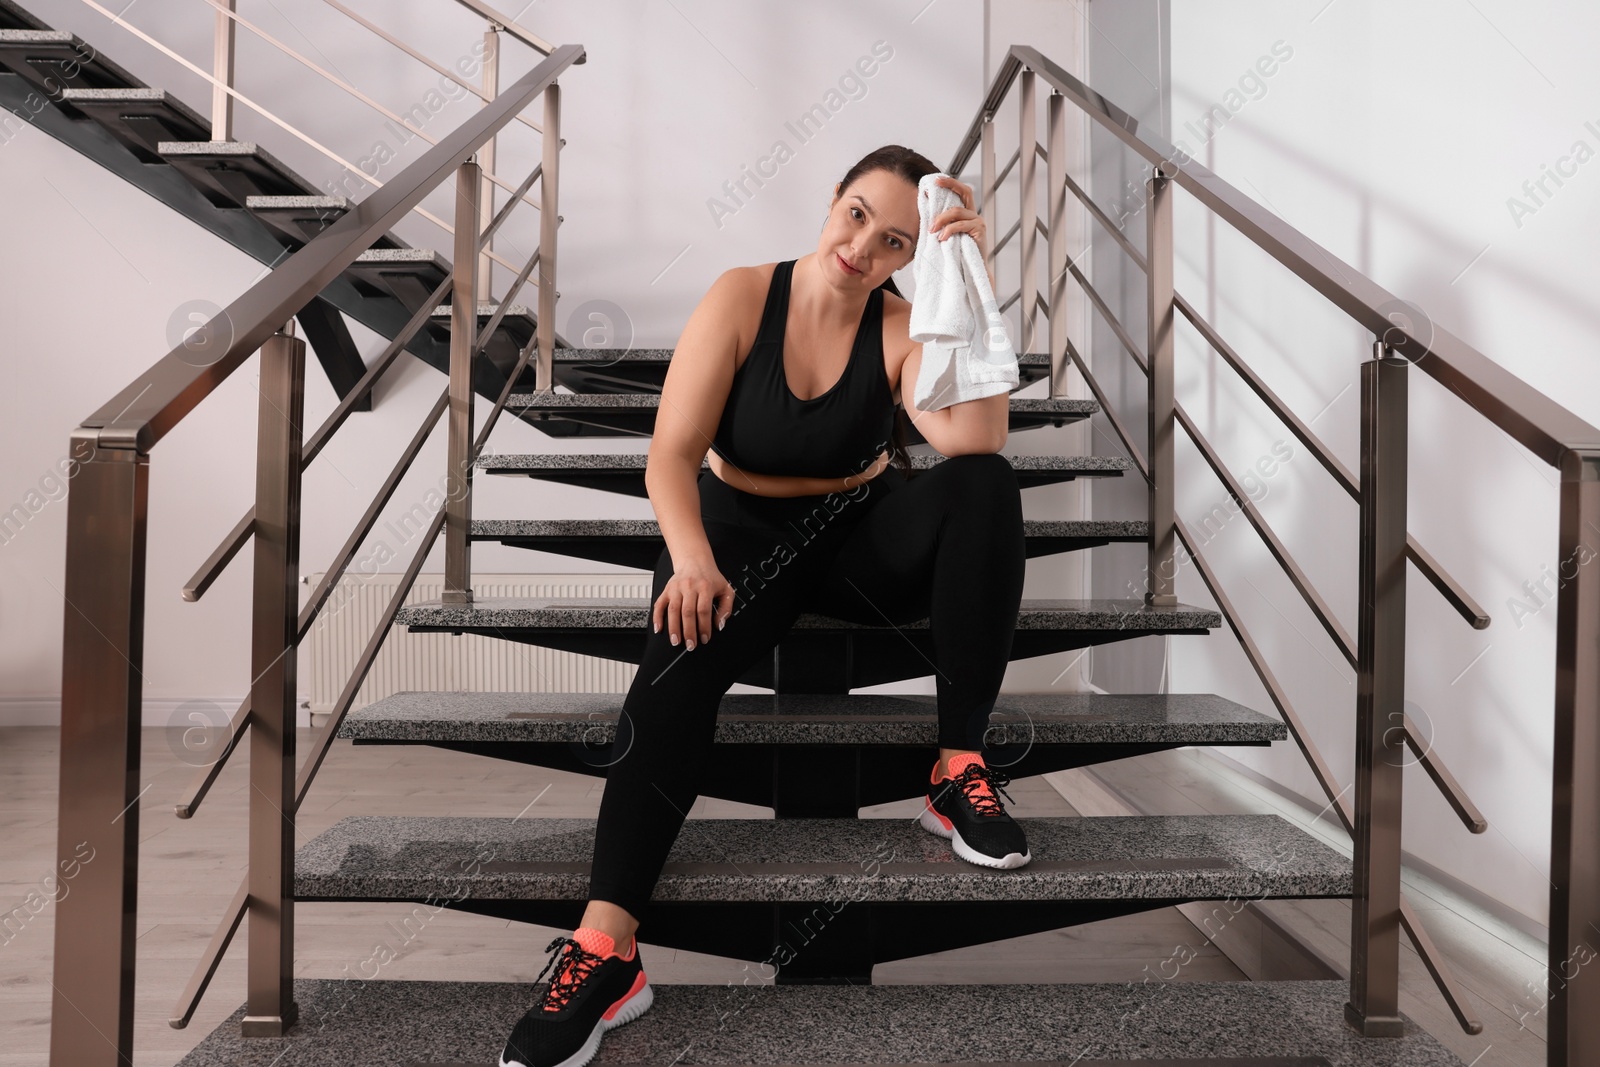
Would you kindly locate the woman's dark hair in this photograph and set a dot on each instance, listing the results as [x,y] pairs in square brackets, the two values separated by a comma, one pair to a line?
[913,167]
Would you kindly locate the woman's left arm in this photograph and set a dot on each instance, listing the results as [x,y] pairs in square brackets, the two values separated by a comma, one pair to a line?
[972,425]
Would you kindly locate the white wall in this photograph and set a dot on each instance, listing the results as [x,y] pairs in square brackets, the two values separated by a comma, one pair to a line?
[1394,136]
[674,101]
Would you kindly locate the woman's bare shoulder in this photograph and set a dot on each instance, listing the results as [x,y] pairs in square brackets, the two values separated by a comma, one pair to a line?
[897,343]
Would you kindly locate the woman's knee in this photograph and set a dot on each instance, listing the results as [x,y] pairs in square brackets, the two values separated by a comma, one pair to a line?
[980,478]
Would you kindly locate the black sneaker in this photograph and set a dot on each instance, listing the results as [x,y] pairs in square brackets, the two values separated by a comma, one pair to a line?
[963,807]
[589,994]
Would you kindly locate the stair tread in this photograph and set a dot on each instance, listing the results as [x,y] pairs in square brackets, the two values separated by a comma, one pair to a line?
[525,401]
[489,528]
[634,613]
[1113,857]
[1089,1024]
[606,356]
[860,718]
[512,461]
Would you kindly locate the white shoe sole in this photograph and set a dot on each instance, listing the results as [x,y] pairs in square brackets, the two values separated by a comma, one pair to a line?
[635,1007]
[930,822]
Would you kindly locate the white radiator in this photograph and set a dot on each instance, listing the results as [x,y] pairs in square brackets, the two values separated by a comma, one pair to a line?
[469,662]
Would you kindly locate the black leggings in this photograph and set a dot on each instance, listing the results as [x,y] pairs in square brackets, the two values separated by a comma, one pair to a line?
[945,545]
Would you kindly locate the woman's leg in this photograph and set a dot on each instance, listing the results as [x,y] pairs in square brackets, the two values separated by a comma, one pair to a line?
[669,716]
[946,545]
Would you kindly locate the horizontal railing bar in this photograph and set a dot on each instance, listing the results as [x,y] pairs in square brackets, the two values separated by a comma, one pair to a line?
[1530,417]
[1105,312]
[347,551]
[1106,407]
[189,803]
[220,557]
[1341,474]
[1313,599]
[1471,817]
[1016,227]
[374,28]
[1448,987]
[527,37]
[1465,606]
[999,179]
[242,531]
[143,413]
[324,739]
[1433,959]
[211,958]
[393,116]
[1279,696]
[1105,220]
[1445,583]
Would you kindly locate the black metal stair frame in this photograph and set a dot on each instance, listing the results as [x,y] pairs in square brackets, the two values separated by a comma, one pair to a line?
[237,190]
[817,893]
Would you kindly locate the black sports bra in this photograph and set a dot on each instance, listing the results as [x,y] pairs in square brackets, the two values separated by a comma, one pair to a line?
[766,429]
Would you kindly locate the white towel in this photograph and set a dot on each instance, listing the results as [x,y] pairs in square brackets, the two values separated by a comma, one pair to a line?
[966,352]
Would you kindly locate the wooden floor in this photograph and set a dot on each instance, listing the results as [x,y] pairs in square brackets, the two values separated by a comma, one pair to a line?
[190,869]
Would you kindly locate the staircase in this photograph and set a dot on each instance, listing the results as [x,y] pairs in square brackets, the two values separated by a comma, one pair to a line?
[815,896]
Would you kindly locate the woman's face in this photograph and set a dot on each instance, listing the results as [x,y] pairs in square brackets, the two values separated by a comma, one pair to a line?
[872,226]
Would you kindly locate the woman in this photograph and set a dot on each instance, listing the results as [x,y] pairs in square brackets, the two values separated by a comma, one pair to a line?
[796,366]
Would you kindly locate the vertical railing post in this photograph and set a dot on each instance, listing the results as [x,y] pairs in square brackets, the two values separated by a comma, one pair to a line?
[97,828]
[987,207]
[1161,585]
[486,156]
[463,340]
[1374,1005]
[1027,210]
[1574,974]
[270,1009]
[549,220]
[1056,244]
[222,70]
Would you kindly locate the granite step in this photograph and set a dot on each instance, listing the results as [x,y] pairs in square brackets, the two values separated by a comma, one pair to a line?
[812,755]
[516,329]
[53,60]
[826,655]
[140,117]
[638,542]
[1113,857]
[632,414]
[1165,1022]
[410,275]
[623,472]
[643,370]
[228,173]
[730,887]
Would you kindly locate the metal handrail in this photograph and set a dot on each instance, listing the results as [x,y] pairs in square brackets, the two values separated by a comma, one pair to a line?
[1536,421]
[1539,423]
[1167,528]
[107,522]
[228,91]
[143,412]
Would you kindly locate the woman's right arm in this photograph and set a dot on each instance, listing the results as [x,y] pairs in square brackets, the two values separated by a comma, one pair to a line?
[699,378]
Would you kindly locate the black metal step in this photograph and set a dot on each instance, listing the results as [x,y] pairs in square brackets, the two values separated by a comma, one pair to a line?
[638,542]
[1159,1022]
[634,414]
[623,472]
[410,275]
[816,755]
[54,60]
[517,327]
[297,219]
[230,172]
[140,118]
[729,885]
[643,370]
[823,654]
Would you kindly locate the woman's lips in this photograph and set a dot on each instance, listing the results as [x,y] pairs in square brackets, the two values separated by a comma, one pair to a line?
[844,266]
